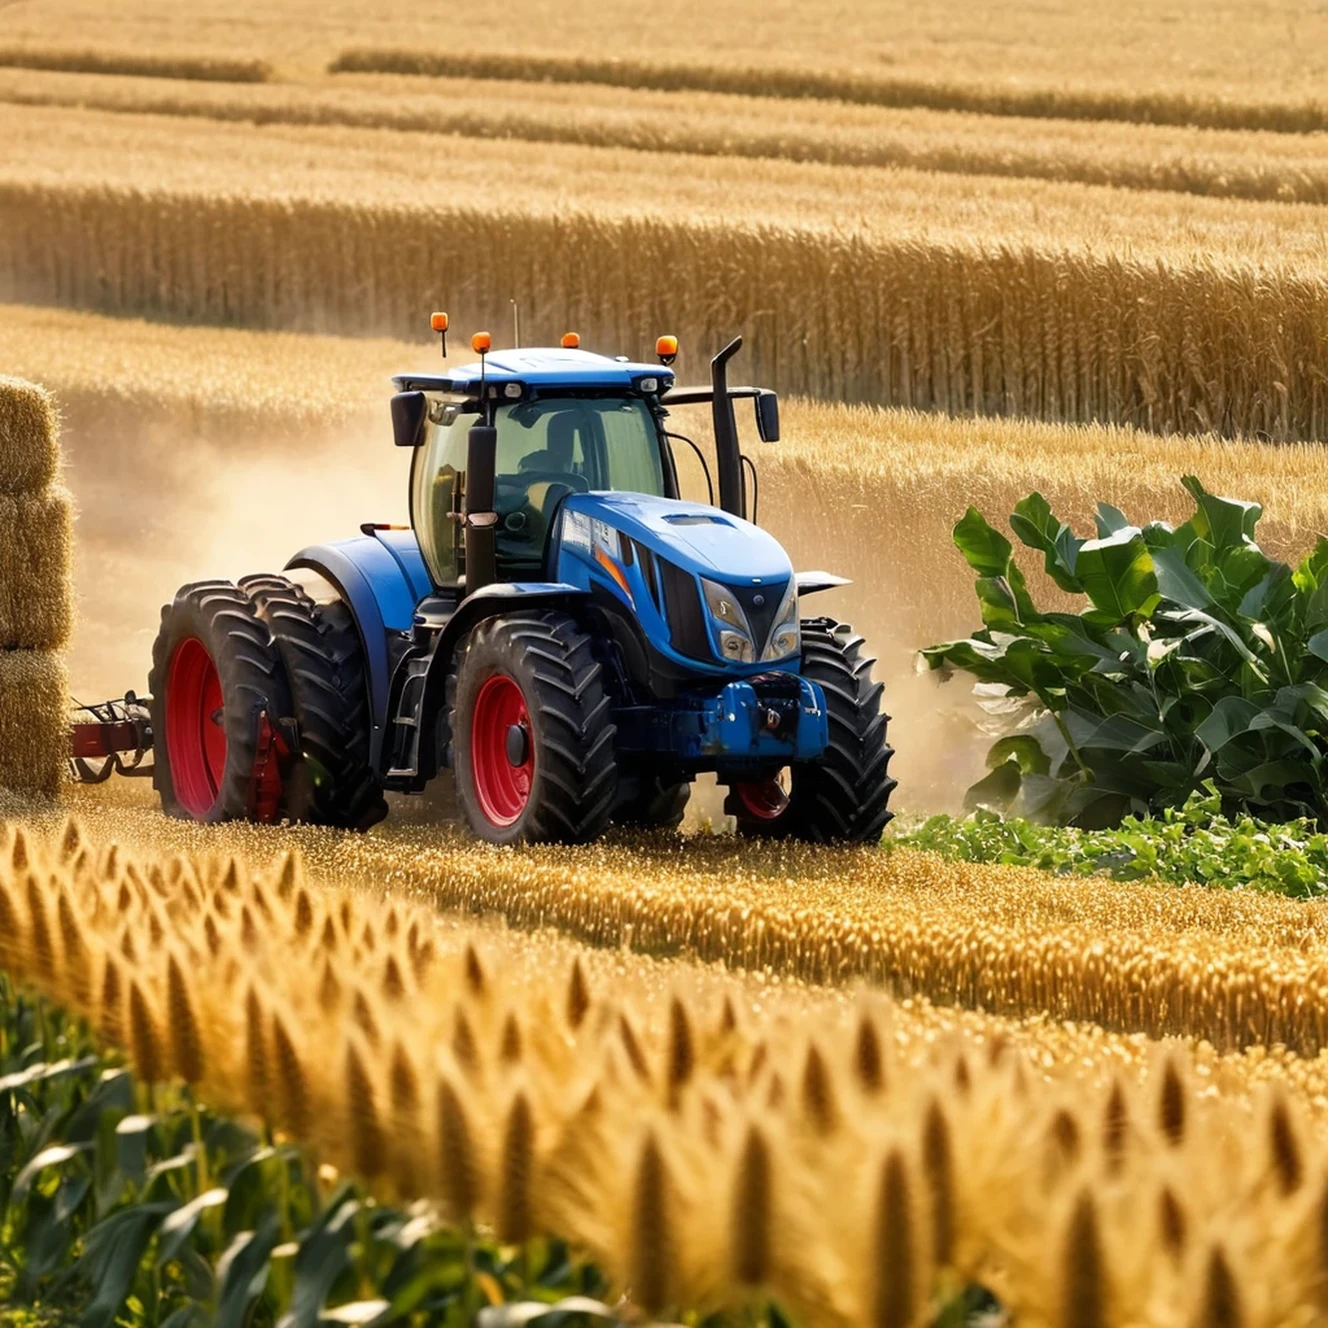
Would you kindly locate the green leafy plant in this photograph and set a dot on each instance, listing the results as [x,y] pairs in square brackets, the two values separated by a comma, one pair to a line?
[123,1207]
[1193,843]
[1197,660]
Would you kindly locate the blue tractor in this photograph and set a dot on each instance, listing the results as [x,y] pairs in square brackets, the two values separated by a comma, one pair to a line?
[558,627]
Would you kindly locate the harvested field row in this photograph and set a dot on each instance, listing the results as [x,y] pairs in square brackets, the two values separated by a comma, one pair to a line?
[696,1141]
[155,64]
[1137,104]
[1230,165]
[382,169]
[1222,53]
[923,313]
[1236,970]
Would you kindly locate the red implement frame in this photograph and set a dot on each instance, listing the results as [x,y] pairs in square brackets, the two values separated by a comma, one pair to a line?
[118,734]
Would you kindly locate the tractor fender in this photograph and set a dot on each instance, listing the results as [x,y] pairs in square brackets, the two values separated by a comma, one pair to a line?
[488,602]
[381,577]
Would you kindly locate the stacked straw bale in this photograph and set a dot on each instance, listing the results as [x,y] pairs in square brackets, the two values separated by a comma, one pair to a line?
[36,600]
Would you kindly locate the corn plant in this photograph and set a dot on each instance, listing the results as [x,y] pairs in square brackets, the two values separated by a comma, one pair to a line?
[123,1201]
[1197,658]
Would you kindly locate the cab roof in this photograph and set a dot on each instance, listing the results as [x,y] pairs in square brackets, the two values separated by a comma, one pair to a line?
[540,368]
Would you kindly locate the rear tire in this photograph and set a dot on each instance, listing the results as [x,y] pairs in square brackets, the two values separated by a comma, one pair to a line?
[333,783]
[214,668]
[657,804]
[531,732]
[845,795]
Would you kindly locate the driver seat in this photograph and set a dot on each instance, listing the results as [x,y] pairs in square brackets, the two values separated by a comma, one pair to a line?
[549,473]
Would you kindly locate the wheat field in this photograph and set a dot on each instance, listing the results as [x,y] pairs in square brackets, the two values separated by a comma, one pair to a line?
[955,293]
[981,249]
[1136,59]
[1289,168]
[682,1127]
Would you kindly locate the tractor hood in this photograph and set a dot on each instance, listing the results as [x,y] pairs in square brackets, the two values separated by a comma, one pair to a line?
[699,539]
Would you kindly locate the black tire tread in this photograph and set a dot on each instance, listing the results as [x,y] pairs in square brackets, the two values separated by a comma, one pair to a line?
[844,797]
[250,669]
[576,778]
[657,804]
[320,648]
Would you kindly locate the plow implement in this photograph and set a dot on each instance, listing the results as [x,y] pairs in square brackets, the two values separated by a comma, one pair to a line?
[117,738]
[111,738]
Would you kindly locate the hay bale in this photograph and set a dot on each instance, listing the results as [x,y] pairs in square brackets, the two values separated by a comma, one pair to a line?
[29,437]
[34,721]
[36,553]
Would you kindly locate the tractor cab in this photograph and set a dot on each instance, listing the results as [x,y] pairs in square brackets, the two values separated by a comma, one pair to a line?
[554,423]
[547,447]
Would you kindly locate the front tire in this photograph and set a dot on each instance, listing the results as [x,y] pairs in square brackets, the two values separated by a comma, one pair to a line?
[215,671]
[843,797]
[531,733]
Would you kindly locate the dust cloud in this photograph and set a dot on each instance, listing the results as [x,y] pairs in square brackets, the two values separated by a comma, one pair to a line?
[158,509]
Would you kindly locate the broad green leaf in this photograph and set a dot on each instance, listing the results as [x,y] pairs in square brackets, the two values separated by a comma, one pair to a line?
[987,550]
[1110,521]
[1024,750]
[179,1225]
[1318,645]
[1160,535]
[1308,694]
[1042,799]
[1270,719]
[1230,719]
[1224,522]
[1122,733]
[1117,575]
[42,1073]
[131,1146]
[998,605]
[55,1156]
[112,1252]
[1036,526]
[242,1272]
[1313,569]
[1176,583]
[996,790]
[1202,624]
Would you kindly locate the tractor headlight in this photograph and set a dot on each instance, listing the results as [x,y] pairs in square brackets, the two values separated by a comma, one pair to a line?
[786,638]
[736,643]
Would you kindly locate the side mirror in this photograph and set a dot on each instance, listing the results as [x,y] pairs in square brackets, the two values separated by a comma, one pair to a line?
[410,410]
[767,415]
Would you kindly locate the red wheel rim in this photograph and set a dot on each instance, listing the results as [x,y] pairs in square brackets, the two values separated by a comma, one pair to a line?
[764,799]
[195,734]
[502,787]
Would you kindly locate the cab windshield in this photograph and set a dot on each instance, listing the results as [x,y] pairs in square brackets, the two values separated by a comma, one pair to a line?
[547,449]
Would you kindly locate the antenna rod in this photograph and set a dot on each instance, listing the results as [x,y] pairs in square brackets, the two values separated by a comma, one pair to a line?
[516,323]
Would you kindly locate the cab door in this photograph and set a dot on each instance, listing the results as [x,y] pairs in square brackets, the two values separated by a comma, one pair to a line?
[436,480]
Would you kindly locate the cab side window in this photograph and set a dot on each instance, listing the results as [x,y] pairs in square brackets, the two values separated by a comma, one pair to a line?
[438,472]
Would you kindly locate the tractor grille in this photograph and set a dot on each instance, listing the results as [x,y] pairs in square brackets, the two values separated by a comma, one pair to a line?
[761,616]
[686,613]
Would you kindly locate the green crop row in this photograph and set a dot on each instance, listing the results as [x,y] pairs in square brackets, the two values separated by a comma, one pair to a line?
[122,1205]
[1193,843]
